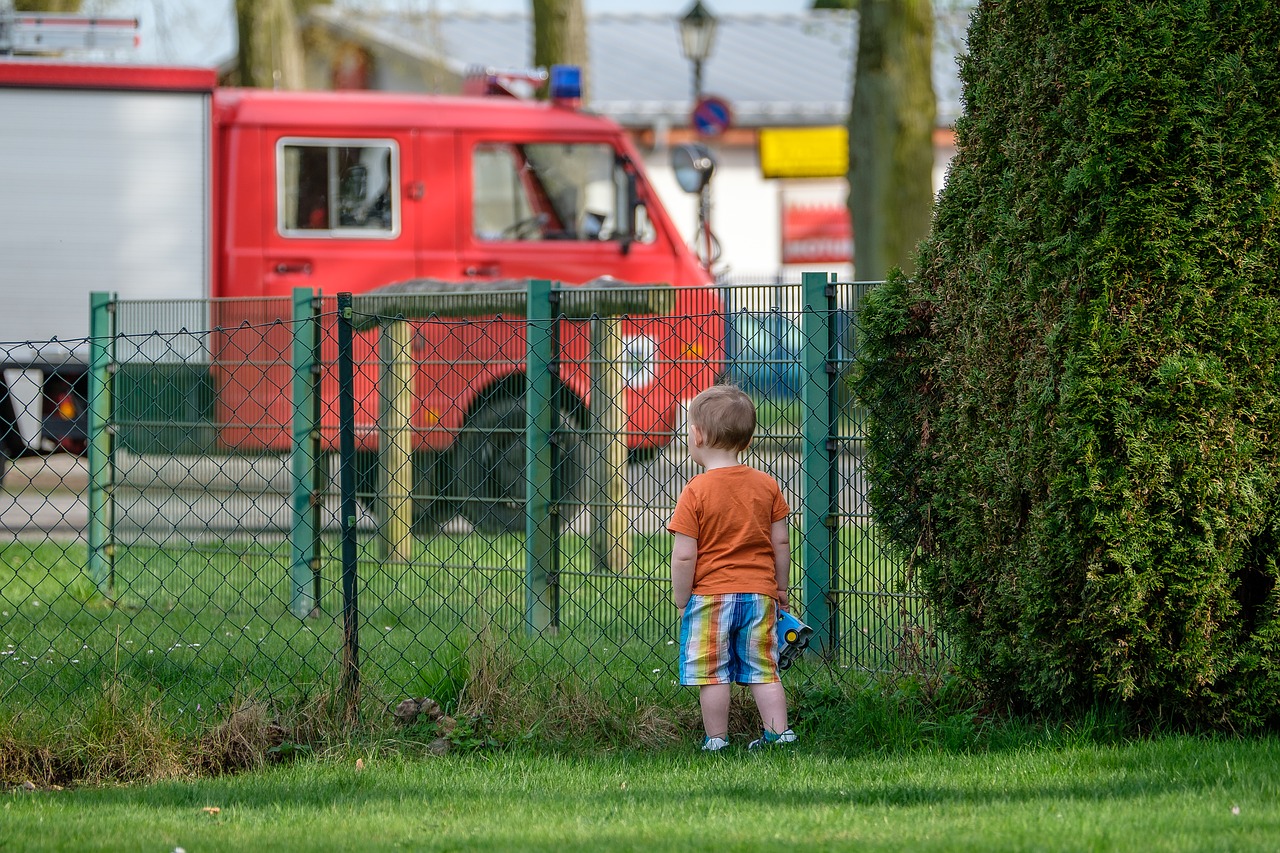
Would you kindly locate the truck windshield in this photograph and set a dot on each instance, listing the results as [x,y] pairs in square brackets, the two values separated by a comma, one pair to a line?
[553,191]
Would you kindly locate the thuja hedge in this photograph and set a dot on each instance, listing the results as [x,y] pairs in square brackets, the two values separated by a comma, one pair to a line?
[1076,403]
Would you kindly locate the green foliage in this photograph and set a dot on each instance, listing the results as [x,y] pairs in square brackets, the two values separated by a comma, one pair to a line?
[472,734]
[289,751]
[1075,404]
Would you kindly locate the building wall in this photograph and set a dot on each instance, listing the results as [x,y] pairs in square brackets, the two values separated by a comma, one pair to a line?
[746,208]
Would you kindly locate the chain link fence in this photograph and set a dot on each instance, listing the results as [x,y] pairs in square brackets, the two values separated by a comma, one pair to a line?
[350,495]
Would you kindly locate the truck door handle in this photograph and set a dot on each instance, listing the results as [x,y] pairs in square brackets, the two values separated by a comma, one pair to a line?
[487,268]
[287,268]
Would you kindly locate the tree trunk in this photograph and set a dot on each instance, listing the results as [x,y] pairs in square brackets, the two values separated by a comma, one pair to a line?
[270,54]
[891,125]
[560,36]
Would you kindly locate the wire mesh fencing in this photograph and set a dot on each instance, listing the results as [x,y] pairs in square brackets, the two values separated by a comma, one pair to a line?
[351,495]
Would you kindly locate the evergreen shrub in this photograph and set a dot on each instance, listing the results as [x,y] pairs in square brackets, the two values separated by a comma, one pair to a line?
[1075,404]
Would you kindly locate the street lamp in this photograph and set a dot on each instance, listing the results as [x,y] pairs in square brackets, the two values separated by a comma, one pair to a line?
[697,32]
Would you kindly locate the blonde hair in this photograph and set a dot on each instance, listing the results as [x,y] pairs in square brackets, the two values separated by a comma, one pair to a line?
[726,416]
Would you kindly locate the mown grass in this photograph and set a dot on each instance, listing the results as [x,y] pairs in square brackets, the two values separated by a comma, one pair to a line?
[1168,793]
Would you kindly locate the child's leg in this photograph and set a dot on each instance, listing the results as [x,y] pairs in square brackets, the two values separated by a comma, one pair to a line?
[771,700]
[714,699]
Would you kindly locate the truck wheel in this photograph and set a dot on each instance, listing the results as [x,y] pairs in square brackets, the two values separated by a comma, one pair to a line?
[431,508]
[489,463]
[366,464]
[643,455]
[11,442]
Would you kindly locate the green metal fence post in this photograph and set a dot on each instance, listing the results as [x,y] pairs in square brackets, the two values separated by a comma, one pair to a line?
[306,458]
[101,470]
[541,604]
[819,456]
[347,476]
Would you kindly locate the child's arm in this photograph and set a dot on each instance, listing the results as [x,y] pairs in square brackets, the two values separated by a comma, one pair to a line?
[684,555]
[781,536]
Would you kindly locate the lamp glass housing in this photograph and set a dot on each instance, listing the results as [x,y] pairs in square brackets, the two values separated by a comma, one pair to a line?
[697,32]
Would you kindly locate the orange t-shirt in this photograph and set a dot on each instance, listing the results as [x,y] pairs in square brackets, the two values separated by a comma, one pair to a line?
[730,512]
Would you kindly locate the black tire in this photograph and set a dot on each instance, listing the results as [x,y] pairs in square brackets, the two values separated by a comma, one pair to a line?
[366,480]
[643,455]
[489,462]
[11,442]
[430,508]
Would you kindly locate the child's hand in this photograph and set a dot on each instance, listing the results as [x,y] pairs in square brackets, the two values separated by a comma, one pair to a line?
[783,601]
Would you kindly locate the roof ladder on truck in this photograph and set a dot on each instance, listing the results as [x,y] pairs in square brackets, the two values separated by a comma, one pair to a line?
[34,33]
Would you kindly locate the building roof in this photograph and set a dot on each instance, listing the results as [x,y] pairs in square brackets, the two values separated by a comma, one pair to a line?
[778,69]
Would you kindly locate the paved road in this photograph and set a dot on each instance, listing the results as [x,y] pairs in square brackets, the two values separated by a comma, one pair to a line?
[49,495]
[45,494]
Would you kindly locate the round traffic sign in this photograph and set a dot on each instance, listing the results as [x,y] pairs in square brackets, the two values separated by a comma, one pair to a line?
[711,116]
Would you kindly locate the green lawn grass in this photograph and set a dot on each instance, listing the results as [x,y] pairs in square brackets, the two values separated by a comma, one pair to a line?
[1168,793]
[202,625]
[195,632]
[186,658]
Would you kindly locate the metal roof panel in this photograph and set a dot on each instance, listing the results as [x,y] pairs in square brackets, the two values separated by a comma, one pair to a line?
[773,69]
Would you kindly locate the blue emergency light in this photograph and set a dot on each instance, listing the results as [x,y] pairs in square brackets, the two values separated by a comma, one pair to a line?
[566,84]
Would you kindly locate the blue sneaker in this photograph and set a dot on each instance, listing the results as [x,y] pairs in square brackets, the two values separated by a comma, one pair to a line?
[768,739]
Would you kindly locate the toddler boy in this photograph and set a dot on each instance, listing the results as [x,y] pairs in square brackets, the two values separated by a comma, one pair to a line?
[730,568]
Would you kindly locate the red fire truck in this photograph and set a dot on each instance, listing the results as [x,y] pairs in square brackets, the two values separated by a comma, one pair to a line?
[154,183]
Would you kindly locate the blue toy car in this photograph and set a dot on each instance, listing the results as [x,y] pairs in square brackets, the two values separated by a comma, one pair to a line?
[793,638]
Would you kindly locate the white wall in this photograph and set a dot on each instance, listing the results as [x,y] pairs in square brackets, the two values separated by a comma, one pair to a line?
[746,208]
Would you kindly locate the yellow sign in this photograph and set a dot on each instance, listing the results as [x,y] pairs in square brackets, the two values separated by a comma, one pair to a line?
[804,152]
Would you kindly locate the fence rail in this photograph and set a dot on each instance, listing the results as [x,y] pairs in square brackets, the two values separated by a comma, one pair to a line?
[284,497]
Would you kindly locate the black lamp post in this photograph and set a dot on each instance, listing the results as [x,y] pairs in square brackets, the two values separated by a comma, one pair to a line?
[697,32]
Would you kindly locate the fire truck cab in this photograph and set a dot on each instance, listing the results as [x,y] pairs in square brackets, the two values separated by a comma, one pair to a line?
[346,192]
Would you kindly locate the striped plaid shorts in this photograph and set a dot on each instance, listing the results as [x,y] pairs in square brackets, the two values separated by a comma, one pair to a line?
[727,638]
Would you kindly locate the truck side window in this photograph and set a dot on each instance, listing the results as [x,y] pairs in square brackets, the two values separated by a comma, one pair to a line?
[338,188]
[550,191]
